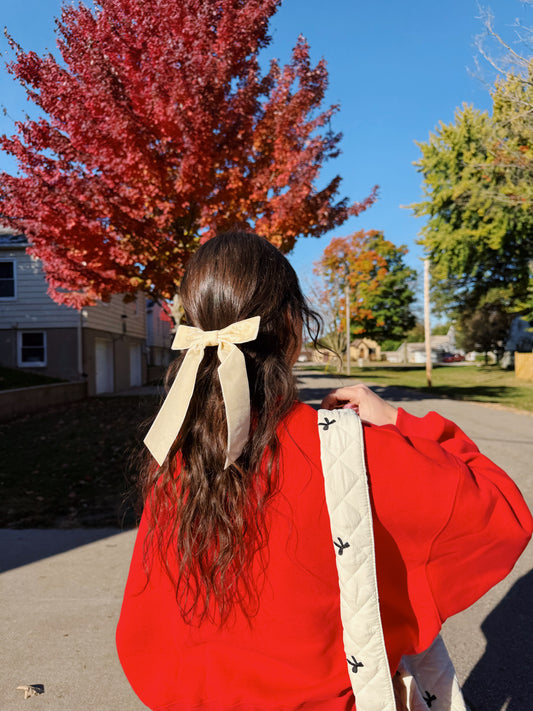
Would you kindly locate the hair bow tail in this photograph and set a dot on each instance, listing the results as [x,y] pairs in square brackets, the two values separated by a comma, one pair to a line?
[167,424]
[236,393]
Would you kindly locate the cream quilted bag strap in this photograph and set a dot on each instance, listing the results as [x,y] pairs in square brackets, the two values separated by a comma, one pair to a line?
[343,464]
[425,680]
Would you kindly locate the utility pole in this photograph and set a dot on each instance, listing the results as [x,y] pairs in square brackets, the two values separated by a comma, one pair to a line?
[427,330]
[347,302]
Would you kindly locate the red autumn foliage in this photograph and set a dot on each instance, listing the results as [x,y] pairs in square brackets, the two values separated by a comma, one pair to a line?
[157,130]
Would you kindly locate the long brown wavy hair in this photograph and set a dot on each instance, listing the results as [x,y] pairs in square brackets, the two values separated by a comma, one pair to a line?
[207,523]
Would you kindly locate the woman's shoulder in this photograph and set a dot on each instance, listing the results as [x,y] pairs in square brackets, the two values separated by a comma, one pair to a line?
[301,418]
[298,431]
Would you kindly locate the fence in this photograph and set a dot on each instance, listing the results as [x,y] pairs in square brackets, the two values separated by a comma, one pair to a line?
[523,366]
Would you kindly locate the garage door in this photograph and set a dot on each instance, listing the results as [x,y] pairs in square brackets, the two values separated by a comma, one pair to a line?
[104,365]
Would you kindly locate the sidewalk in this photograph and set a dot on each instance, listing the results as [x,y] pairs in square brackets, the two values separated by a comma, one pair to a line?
[61,596]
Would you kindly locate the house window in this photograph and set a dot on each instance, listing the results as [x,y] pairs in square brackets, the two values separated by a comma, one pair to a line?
[7,279]
[32,348]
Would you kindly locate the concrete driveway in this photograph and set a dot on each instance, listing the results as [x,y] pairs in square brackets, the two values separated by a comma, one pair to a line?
[61,593]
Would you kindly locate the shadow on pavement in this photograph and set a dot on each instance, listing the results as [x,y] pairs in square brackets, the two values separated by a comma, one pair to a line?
[503,675]
[392,392]
[314,395]
[20,547]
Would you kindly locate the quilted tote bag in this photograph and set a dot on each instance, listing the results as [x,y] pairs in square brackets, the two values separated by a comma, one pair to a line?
[423,681]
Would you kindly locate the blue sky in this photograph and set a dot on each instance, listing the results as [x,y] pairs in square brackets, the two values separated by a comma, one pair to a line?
[396,69]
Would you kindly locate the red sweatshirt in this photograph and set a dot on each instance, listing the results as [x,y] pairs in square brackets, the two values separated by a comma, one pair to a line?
[448,525]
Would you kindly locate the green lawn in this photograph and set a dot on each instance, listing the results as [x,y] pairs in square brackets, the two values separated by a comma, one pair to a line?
[459,382]
[19,378]
[73,466]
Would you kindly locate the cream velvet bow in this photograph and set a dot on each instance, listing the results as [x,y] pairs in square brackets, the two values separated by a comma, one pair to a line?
[233,381]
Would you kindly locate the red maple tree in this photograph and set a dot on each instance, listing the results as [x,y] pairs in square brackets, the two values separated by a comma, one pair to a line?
[157,129]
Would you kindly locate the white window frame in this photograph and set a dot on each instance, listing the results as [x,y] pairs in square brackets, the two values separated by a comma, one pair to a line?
[33,363]
[13,261]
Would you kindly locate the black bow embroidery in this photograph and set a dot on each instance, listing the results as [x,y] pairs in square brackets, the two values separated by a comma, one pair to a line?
[340,545]
[326,424]
[429,698]
[354,664]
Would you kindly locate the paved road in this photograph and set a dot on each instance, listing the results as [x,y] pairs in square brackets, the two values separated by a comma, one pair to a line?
[61,594]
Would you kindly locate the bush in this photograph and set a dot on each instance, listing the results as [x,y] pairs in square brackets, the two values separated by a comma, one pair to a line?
[390,345]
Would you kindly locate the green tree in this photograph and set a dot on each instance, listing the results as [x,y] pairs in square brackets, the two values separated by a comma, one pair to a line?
[390,344]
[478,235]
[440,330]
[381,284]
[485,329]
[512,150]
[416,334]
[512,95]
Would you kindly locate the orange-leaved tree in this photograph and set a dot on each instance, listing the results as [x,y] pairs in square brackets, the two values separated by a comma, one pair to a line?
[381,285]
[157,129]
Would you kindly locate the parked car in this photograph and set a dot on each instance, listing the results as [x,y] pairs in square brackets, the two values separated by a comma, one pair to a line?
[455,358]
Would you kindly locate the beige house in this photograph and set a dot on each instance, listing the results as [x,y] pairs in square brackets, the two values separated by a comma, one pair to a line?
[365,348]
[106,344]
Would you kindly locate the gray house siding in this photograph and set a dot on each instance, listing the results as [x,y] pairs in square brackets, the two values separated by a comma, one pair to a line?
[103,344]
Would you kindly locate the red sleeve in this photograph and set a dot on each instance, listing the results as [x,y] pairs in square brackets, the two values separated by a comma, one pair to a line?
[147,629]
[489,523]
[448,525]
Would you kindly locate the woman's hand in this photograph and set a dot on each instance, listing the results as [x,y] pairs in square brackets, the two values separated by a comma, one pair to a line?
[369,406]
